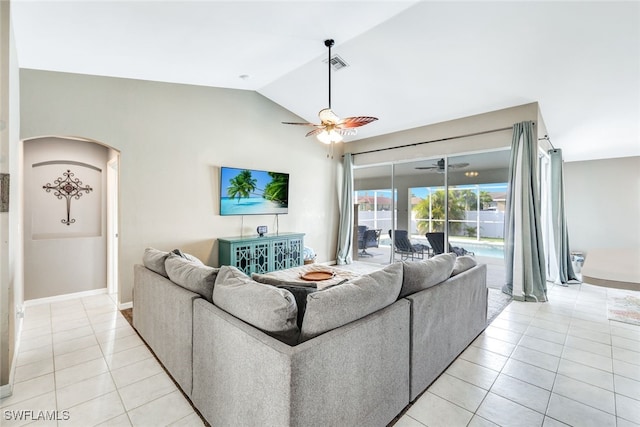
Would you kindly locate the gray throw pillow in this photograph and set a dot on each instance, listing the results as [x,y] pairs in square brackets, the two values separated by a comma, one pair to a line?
[342,304]
[154,260]
[419,275]
[270,309]
[191,275]
[187,256]
[463,263]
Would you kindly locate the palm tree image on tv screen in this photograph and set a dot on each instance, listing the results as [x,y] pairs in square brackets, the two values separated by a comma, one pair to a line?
[253,192]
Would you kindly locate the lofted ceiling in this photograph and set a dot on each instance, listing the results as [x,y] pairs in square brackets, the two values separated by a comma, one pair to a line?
[410,63]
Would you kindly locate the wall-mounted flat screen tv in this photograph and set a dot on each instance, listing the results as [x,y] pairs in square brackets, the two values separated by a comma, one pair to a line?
[253,192]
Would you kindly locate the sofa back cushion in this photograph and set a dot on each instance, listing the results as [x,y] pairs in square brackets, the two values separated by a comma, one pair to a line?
[462,264]
[270,309]
[154,260]
[419,275]
[191,275]
[342,304]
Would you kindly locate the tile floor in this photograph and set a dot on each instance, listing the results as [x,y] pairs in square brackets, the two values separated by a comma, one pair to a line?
[552,364]
[82,359]
[549,364]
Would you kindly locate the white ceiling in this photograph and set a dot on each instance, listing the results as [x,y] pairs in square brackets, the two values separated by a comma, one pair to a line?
[411,63]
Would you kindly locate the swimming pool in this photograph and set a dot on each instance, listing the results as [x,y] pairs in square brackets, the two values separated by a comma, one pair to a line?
[493,250]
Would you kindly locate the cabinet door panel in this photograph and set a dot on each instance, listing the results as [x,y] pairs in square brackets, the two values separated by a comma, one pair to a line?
[260,258]
[243,257]
[280,254]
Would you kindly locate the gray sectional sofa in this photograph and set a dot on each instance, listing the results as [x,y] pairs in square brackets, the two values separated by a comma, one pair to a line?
[357,356]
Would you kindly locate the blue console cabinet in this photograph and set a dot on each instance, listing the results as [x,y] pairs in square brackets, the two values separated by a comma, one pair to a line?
[253,254]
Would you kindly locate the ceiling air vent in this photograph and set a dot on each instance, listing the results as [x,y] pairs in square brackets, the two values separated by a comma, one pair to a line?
[337,63]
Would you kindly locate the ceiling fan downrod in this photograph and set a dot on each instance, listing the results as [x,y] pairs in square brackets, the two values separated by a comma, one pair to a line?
[328,43]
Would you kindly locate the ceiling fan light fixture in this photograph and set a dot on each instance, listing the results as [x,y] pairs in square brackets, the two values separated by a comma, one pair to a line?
[471,173]
[329,137]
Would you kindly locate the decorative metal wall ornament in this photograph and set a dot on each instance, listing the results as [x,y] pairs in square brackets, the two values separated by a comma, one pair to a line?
[68,188]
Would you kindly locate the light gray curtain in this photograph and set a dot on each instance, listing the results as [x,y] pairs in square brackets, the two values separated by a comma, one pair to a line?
[559,220]
[345,230]
[524,251]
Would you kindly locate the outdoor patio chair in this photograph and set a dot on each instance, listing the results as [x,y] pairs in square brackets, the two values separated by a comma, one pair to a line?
[405,248]
[367,239]
[436,241]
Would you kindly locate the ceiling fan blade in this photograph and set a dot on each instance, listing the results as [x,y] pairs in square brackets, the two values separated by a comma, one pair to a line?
[354,122]
[458,165]
[315,131]
[427,168]
[300,124]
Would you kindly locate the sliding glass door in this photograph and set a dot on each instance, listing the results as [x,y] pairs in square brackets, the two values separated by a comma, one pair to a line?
[461,197]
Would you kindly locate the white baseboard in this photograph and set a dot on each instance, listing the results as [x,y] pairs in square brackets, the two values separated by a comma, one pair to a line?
[125,305]
[58,298]
[6,390]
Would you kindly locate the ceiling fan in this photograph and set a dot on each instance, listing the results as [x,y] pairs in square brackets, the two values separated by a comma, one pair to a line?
[332,128]
[439,166]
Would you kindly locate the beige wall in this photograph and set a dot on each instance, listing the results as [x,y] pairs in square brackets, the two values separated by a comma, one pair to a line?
[173,139]
[472,125]
[602,199]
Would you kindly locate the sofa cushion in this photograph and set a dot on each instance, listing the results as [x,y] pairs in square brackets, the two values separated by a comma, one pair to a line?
[154,260]
[187,256]
[342,304]
[270,309]
[419,275]
[191,275]
[463,263]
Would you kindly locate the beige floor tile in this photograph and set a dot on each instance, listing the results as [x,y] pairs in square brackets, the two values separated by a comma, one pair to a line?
[588,358]
[587,374]
[494,345]
[628,409]
[35,355]
[33,370]
[625,369]
[484,358]
[146,390]
[462,393]
[588,394]
[473,373]
[84,390]
[536,358]
[127,357]
[433,411]
[578,414]
[81,371]
[544,346]
[521,392]
[529,373]
[135,372]
[505,412]
[627,387]
[67,360]
[28,389]
[95,411]
[589,345]
[193,420]
[162,411]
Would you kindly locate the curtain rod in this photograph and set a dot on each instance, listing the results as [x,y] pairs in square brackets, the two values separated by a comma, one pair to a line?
[546,137]
[434,140]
